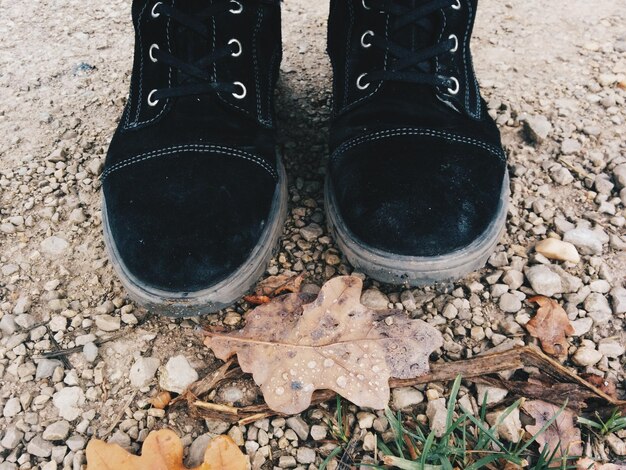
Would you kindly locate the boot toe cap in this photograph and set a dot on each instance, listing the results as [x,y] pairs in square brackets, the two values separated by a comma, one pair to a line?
[417,195]
[183,223]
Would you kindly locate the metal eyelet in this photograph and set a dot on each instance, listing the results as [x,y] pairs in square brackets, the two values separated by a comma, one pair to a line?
[151,53]
[456,42]
[457,86]
[457,5]
[151,101]
[154,13]
[359,82]
[244,91]
[365,5]
[366,34]
[239,50]
[239,9]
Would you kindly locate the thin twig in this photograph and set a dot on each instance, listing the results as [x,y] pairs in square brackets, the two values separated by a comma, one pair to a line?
[120,414]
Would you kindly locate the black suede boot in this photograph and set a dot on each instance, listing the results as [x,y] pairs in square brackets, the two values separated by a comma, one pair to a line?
[194,191]
[418,186]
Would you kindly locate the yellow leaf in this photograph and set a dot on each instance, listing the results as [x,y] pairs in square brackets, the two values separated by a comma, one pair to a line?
[163,450]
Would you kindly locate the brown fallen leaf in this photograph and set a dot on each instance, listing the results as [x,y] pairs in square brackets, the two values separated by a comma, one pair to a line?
[608,386]
[163,450]
[273,286]
[276,285]
[161,400]
[293,348]
[257,299]
[551,326]
[562,435]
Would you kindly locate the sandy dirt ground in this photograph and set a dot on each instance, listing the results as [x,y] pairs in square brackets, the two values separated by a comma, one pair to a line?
[64,68]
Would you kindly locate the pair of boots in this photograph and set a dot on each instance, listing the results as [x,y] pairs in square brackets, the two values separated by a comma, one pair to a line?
[195,194]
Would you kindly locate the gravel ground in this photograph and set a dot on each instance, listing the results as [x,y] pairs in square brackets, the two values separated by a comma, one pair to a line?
[555,80]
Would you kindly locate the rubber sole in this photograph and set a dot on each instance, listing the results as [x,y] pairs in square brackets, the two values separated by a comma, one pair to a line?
[216,297]
[416,271]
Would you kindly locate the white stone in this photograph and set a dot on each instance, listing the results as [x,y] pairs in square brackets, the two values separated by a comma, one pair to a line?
[437,414]
[12,437]
[510,303]
[12,407]
[588,242]
[493,394]
[318,432]
[46,367]
[143,371]
[374,299]
[544,281]
[299,426]
[537,128]
[305,455]
[618,298]
[598,308]
[39,448]
[22,305]
[369,442]
[570,146]
[617,445]
[611,348]
[582,326]
[177,375]
[311,232]
[90,351]
[620,175]
[558,250]
[510,428]
[287,461]
[514,279]
[197,450]
[57,431]
[404,397]
[586,356]
[8,325]
[54,246]
[561,175]
[68,402]
[108,323]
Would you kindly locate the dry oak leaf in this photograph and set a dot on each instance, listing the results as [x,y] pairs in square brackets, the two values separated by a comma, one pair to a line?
[293,348]
[562,434]
[551,326]
[163,450]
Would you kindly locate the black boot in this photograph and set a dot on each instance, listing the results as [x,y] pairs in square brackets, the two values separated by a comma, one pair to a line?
[194,191]
[417,188]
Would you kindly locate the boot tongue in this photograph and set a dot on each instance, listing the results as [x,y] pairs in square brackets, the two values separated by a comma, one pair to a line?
[420,34]
[188,45]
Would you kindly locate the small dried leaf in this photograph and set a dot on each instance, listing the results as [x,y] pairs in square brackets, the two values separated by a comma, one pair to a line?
[257,299]
[550,325]
[561,435]
[293,348]
[163,450]
[276,285]
[605,385]
[161,400]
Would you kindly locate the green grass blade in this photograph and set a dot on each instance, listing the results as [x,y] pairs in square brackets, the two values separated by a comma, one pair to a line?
[336,451]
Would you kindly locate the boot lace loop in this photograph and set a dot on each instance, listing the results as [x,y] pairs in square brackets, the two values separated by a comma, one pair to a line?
[405,66]
[197,77]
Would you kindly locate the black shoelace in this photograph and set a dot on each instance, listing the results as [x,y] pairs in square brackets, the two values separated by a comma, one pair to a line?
[404,68]
[197,78]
